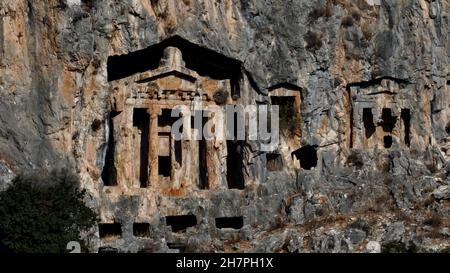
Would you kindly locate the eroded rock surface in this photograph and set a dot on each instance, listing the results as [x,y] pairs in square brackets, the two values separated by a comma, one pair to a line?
[365,93]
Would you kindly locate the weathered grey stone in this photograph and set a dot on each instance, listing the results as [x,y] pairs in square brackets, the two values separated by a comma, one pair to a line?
[296,210]
[331,242]
[443,192]
[6,176]
[56,98]
[373,247]
[394,232]
[356,236]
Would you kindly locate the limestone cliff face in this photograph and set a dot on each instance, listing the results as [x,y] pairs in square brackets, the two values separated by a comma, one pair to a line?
[371,85]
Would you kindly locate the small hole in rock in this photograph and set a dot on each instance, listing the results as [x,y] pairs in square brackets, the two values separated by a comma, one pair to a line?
[307,156]
[110,231]
[182,222]
[230,222]
[141,229]
[387,142]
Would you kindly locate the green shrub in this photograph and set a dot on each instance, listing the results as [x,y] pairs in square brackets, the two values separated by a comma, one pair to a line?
[356,15]
[89,3]
[365,28]
[434,220]
[324,11]
[220,96]
[348,21]
[355,159]
[41,214]
[313,41]
[96,125]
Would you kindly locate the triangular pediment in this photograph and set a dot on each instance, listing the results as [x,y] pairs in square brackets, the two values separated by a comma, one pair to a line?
[172,69]
[167,72]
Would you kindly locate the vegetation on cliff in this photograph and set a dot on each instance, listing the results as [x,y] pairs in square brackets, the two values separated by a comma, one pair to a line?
[42,213]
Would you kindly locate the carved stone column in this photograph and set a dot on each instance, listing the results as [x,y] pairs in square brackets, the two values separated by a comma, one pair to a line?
[153,152]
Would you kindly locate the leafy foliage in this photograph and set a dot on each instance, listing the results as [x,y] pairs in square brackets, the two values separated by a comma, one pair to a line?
[355,159]
[348,21]
[324,11]
[220,96]
[89,3]
[313,41]
[41,214]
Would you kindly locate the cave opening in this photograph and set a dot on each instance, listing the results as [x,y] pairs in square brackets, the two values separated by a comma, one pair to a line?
[307,155]
[369,125]
[109,172]
[141,121]
[235,166]
[389,120]
[274,162]
[230,222]
[387,142]
[180,223]
[109,231]
[141,229]
[406,117]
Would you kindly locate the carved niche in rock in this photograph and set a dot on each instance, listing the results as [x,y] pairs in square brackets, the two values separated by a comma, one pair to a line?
[381,116]
[152,157]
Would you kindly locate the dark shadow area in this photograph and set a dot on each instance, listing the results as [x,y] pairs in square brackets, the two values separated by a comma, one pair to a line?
[166,119]
[141,120]
[141,229]
[179,152]
[181,223]
[204,61]
[110,230]
[406,117]
[230,222]
[202,165]
[389,120]
[369,125]
[109,172]
[307,156]
[387,142]
[253,82]
[164,166]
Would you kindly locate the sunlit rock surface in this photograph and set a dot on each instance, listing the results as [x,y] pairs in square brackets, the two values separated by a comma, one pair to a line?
[363,160]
